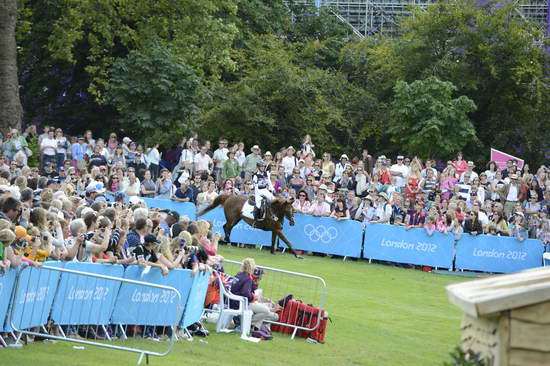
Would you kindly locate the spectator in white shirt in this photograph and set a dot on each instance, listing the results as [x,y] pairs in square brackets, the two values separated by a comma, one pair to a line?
[289,161]
[400,172]
[220,156]
[153,158]
[203,162]
[48,148]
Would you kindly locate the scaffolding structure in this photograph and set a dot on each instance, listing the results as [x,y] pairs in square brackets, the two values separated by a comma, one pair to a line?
[370,17]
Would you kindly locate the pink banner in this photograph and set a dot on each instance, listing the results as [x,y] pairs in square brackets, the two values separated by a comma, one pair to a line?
[501,158]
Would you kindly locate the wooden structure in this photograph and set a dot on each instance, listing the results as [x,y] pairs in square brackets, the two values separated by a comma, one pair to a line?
[507,318]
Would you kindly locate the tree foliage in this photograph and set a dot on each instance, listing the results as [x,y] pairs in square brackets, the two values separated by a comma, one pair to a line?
[155,93]
[278,101]
[488,52]
[427,121]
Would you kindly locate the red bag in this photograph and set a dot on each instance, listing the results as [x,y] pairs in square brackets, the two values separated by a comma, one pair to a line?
[303,315]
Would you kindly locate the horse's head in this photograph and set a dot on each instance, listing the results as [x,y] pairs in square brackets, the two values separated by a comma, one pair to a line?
[282,207]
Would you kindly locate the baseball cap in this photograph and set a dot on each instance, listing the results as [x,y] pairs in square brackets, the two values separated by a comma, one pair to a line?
[126,140]
[471,163]
[151,238]
[400,157]
[97,188]
[21,233]
[174,214]
[323,186]
[344,156]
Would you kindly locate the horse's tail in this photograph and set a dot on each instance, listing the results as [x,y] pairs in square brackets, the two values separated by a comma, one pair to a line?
[218,201]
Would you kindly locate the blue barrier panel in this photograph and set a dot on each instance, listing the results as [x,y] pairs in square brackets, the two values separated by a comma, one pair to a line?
[500,254]
[34,296]
[195,302]
[242,232]
[86,300]
[414,246]
[142,305]
[6,288]
[325,235]
[183,208]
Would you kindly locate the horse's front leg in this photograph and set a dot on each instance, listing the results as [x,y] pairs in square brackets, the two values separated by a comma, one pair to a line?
[273,241]
[283,237]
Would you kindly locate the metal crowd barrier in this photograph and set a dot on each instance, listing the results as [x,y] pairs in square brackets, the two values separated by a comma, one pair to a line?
[276,284]
[78,307]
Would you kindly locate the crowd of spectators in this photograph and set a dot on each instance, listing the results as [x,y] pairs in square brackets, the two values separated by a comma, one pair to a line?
[53,203]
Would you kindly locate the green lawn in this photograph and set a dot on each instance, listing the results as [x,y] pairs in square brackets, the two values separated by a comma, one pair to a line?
[381,315]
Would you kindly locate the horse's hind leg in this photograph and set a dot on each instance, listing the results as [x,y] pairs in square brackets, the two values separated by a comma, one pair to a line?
[283,237]
[273,241]
[227,233]
[228,226]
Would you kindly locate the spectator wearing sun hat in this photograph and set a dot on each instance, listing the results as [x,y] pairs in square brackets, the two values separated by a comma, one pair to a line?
[383,210]
[251,161]
[470,171]
[509,194]
[340,167]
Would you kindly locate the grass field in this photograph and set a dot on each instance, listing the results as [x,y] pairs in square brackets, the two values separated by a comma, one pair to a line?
[381,315]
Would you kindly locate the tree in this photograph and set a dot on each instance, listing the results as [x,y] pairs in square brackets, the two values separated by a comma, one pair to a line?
[11,111]
[427,121]
[157,95]
[94,33]
[489,53]
[278,100]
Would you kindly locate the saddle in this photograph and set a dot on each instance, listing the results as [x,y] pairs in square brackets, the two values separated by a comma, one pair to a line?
[259,213]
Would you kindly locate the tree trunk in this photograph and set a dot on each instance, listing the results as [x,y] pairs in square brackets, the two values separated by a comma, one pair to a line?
[11,111]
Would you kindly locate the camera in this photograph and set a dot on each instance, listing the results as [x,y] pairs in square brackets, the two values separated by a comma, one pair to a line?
[21,243]
[191,249]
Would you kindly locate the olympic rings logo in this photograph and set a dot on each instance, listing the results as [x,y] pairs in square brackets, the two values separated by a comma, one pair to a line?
[316,233]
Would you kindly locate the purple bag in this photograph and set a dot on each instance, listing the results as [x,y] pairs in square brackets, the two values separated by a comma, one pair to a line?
[286,299]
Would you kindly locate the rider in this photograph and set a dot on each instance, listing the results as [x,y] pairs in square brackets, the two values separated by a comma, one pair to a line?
[263,189]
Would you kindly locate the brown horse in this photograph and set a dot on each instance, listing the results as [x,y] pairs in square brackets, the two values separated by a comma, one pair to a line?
[278,210]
